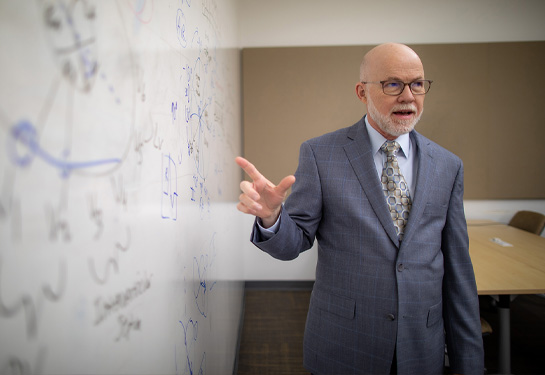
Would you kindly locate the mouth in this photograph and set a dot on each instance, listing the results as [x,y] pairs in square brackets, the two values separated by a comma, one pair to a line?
[404,113]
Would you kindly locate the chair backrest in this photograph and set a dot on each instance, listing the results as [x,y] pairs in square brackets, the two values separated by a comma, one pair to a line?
[529,221]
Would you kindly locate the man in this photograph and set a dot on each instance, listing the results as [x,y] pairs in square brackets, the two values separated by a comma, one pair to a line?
[394,280]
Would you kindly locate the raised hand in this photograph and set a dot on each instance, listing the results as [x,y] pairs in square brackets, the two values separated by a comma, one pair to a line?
[261,197]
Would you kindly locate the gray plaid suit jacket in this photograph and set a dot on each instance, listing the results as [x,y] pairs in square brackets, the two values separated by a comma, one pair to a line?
[373,294]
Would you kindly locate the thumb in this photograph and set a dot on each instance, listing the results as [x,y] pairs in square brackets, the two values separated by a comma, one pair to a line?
[285,184]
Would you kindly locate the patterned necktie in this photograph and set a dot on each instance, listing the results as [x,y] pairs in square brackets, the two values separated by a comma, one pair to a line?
[395,188]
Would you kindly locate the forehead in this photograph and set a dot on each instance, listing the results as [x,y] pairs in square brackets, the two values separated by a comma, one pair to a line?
[396,64]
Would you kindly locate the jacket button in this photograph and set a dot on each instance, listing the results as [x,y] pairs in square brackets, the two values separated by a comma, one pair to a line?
[400,267]
[391,317]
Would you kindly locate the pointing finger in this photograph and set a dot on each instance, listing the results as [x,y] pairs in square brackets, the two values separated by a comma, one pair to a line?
[249,168]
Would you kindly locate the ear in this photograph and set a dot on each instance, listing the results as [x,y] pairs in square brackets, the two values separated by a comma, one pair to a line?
[360,92]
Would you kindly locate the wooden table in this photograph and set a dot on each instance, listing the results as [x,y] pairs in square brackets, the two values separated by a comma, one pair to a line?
[506,270]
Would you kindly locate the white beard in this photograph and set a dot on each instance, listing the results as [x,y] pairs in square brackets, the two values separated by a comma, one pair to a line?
[389,125]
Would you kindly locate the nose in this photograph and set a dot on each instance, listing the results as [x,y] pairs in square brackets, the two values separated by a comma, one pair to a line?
[406,95]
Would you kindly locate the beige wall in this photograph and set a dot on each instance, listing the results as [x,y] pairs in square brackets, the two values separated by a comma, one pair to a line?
[484,105]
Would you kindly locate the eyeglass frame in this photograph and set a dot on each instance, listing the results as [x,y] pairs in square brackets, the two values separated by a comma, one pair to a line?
[404,84]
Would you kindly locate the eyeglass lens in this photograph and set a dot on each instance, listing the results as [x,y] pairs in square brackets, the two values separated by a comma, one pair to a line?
[397,87]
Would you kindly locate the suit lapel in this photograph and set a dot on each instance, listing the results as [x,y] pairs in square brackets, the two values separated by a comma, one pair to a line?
[360,156]
[424,175]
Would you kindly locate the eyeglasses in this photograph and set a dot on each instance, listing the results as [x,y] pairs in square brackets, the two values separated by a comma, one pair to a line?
[395,87]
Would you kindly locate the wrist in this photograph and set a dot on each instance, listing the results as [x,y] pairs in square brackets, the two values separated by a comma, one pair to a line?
[269,221]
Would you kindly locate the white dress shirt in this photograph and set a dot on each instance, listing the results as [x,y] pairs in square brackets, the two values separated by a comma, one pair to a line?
[406,156]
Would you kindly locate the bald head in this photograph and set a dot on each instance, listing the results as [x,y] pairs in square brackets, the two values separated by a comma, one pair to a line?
[388,55]
[391,114]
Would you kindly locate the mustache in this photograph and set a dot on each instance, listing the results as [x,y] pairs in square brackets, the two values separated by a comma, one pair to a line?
[403,107]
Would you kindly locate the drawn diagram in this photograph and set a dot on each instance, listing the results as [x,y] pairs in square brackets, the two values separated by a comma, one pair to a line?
[169,198]
[118,129]
[191,362]
[202,281]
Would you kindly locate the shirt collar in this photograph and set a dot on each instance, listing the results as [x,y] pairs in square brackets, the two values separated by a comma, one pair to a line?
[377,140]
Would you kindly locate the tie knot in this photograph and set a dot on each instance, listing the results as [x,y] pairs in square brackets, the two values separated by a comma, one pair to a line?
[390,147]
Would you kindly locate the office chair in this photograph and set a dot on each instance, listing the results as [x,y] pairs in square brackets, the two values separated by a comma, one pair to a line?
[486,328]
[529,221]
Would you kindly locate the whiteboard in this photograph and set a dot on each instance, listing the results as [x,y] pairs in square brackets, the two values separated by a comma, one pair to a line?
[120,240]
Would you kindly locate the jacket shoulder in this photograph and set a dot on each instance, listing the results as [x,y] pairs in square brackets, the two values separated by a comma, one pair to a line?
[338,137]
[434,149]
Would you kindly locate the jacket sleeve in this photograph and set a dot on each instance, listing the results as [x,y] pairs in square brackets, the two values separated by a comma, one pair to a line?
[460,300]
